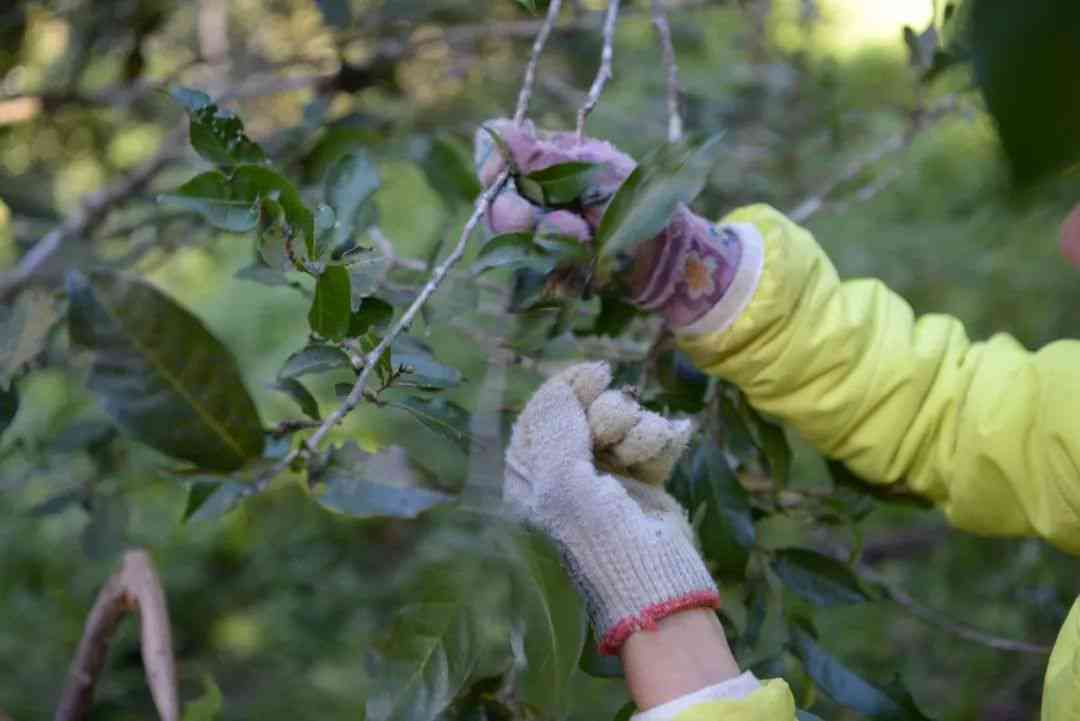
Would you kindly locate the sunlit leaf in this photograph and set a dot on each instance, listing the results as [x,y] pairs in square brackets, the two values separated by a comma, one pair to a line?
[24,328]
[424,663]
[673,173]
[553,623]
[332,306]
[217,134]
[318,358]
[365,485]
[161,374]
[821,580]
[207,707]
[299,393]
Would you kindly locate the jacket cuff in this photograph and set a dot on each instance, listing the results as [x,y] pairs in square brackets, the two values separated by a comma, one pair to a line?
[738,295]
[732,689]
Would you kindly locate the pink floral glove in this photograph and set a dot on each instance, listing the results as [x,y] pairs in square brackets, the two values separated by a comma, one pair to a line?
[682,272]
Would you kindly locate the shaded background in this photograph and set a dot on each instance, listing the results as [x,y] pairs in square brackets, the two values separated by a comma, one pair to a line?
[279,600]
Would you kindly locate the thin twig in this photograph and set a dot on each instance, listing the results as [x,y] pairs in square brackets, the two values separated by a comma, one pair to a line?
[527,84]
[961,630]
[920,121]
[93,210]
[134,587]
[603,75]
[356,395]
[663,32]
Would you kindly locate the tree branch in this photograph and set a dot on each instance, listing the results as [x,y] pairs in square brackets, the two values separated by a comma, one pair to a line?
[603,75]
[135,586]
[663,32]
[920,120]
[525,94]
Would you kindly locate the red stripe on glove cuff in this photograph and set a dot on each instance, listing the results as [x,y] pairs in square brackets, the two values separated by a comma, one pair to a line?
[647,619]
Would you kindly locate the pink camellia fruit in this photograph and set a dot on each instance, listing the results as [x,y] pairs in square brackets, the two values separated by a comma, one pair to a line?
[1070,237]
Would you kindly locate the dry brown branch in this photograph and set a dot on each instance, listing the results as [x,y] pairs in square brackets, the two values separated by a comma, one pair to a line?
[603,75]
[134,587]
[663,32]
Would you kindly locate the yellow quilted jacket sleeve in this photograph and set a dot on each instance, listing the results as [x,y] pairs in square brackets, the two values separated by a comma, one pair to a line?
[771,702]
[989,431]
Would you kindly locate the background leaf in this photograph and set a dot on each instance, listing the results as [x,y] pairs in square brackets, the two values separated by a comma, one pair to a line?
[365,485]
[423,664]
[553,623]
[332,306]
[349,184]
[449,170]
[24,328]
[161,374]
[317,358]
[9,406]
[207,707]
[426,373]
[299,393]
[818,579]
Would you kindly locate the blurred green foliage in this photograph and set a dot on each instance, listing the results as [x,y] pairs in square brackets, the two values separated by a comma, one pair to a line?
[281,602]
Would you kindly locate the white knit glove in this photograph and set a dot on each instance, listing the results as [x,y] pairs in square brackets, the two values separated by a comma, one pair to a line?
[625,542]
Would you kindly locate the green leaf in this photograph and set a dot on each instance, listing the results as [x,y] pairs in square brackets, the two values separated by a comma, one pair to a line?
[424,371]
[259,273]
[9,406]
[365,485]
[256,182]
[299,393]
[614,317]
[626,712]
[529,5]
[684,385]
[596,665]
[207,707]
[372,313]
[25,327]
[330,311]
[560,184]
[449,171]
[802,715]
[365,273]
[444,417]
[821,580]
[553,623]
[336,13]
[844,686]
[349,184]
[511,250]
[773,443]
[317,358]
[502,147]
[217,134]
[424,663]
[161,374]
[208,500]
[705,484]
[672,174]
[212,197]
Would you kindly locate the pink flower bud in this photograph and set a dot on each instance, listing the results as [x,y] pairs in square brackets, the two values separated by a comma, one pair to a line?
[563,222]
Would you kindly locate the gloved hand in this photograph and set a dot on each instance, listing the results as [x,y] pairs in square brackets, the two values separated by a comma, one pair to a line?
[682,273]
[625,542]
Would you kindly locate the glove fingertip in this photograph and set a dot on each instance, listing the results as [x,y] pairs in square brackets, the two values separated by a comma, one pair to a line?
[588,380]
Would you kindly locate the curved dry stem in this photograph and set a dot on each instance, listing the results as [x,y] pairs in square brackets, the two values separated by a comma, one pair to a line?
[135,586]
[663,33]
